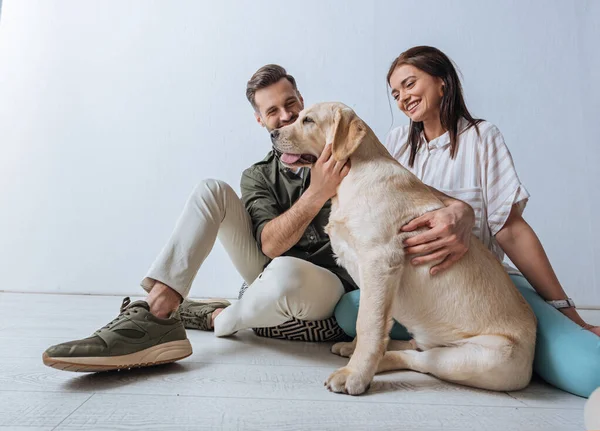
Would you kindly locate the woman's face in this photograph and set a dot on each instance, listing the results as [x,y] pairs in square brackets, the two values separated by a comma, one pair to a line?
[417,93]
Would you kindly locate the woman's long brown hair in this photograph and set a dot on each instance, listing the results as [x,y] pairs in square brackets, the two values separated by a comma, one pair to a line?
[452,108]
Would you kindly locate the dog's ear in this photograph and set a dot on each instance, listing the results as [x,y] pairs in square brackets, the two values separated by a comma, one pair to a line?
[348,133]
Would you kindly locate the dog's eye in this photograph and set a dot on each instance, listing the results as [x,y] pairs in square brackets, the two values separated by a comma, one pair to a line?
[307,120]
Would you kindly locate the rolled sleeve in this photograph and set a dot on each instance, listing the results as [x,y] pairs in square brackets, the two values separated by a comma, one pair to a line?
[502,186]
[259,200]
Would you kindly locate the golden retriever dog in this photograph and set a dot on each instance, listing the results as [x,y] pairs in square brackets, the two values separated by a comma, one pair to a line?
[470,325]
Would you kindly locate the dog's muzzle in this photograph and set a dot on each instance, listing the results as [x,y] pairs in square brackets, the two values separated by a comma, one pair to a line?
[274,135]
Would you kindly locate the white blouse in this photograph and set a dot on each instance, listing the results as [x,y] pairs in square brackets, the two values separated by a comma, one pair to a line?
[482,174]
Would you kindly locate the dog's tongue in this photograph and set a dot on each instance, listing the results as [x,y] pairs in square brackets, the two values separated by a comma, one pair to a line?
[290,159]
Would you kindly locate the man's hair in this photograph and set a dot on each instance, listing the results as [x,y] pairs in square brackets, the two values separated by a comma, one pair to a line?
[264,77]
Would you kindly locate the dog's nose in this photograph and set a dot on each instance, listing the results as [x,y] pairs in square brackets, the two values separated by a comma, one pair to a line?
[274,134]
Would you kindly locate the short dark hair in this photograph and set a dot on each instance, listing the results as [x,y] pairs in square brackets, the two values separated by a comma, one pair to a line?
[264,77]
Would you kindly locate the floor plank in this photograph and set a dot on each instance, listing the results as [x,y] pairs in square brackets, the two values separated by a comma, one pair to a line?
[37,410]
[540,394]
[111,412]
[245,381]
[20,428]
[242,382]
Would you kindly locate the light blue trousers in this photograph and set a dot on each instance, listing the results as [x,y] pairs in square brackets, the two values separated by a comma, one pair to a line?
[566,355]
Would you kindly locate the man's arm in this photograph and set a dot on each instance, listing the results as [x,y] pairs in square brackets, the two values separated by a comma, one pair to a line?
[284,231]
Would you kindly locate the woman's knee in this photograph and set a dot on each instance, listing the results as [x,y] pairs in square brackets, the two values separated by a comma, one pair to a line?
[346,312]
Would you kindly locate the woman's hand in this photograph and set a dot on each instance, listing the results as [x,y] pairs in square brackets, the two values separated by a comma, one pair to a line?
[594,329]
[448,236]
[572,314]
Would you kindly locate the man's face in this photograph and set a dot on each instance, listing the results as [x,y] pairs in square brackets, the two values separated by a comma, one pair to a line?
[277,105]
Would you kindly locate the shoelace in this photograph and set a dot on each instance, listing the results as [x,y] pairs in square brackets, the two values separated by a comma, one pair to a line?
[124,312]
[202,317]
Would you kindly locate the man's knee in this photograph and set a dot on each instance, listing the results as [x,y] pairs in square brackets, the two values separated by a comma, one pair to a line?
[279,285]
[211,187]
[287,274]
[300,291]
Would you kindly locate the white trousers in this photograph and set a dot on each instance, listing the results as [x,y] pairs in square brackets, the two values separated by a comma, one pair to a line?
[287,288]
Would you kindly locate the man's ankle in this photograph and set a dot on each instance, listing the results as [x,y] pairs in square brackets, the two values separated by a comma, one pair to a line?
[163,300]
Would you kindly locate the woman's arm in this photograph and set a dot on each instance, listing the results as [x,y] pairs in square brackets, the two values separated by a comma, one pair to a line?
[448,235]
[522,246]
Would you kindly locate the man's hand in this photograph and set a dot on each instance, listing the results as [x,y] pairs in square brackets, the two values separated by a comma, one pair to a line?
[281,233]
[326,175]
[448,236]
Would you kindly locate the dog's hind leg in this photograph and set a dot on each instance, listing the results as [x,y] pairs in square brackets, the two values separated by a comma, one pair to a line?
[402,345]
[346,349]
[485,361]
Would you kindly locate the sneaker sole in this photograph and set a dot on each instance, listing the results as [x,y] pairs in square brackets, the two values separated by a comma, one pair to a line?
[161,354]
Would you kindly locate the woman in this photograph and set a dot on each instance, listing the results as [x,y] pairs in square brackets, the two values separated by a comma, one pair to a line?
[465,159]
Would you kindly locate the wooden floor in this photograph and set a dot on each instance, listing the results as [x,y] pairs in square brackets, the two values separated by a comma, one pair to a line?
[244,382]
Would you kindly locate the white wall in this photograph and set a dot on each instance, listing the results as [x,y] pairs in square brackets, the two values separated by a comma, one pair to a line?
[111,111]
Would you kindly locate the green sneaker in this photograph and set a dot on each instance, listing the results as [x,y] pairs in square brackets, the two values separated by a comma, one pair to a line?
[197,314]
[136,338]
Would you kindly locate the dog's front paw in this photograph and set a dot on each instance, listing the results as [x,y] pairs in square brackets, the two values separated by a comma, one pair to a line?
[347,381]
[343,349]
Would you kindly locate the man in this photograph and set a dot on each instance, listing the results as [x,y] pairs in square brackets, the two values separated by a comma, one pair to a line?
[274,236]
